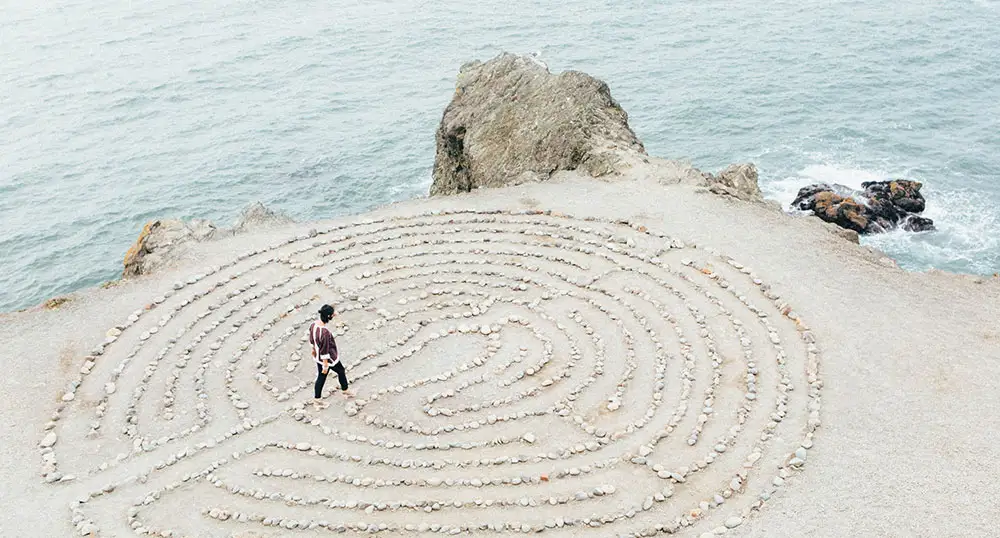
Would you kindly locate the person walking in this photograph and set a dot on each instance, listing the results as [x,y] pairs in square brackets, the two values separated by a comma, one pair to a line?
[324,352]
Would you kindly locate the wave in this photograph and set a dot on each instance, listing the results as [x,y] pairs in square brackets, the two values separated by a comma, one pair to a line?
[967,238]
[784,190]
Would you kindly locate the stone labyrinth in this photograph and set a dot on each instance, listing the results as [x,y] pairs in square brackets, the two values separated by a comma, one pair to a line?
[516,372]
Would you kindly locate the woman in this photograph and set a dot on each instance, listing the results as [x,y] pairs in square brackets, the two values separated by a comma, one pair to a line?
[324,351]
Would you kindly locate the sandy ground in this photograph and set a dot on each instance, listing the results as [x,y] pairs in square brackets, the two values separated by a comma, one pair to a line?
[908,443]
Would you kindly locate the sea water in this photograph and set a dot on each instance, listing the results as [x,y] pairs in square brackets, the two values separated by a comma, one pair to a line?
[114,112]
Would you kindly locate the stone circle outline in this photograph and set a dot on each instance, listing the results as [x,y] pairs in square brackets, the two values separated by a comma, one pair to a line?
[560,230]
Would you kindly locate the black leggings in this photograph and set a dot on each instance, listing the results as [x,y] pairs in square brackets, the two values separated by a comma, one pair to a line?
[321,377]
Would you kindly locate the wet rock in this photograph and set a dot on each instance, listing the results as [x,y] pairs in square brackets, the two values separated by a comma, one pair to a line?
[900,192]
[881,206]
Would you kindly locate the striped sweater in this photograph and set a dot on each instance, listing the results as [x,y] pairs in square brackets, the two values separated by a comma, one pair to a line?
[322,342]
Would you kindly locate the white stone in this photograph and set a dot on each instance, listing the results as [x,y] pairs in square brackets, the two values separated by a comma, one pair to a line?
[48,440]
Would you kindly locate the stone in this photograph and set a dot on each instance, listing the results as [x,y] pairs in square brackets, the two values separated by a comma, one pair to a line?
[159,243]
[569,353]
[49,440]
[880,207]
[738,181]
[842,210]
[901,193]
[164,241]
[256,217]
[511,121]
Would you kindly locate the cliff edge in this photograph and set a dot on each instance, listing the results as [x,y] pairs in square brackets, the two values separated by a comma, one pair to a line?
[164,241]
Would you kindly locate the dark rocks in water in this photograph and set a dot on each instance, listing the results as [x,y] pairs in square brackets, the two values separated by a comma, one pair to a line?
[512,121]
[900,192]
[844,212]
[881,205]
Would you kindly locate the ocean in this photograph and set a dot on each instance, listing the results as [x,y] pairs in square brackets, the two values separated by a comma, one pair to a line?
[113,113]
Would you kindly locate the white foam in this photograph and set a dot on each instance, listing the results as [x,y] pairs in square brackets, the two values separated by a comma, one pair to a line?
[784,190]
[967,238]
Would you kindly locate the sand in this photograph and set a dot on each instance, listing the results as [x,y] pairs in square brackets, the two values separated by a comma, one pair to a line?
[555,378]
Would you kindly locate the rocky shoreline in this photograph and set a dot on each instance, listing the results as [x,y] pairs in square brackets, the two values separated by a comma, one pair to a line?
[512,122]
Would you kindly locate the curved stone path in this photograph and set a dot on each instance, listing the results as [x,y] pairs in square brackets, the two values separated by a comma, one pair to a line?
[516,372]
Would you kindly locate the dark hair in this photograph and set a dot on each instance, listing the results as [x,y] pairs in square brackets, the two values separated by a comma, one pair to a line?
[326,313]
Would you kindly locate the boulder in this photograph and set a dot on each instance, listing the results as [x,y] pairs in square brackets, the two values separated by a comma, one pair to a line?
[845,233]
[881,206]
[255,217]
[899,192]
[163,241]
[512,121]
[159,243]
[738,181]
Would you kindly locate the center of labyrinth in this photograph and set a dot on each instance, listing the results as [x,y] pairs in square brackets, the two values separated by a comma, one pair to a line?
[515,372]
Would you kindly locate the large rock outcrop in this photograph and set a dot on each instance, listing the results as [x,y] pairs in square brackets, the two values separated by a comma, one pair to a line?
[512,121]
[881,206]
[163,241]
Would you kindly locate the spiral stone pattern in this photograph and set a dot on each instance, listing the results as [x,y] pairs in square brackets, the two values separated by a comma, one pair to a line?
[516,372]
